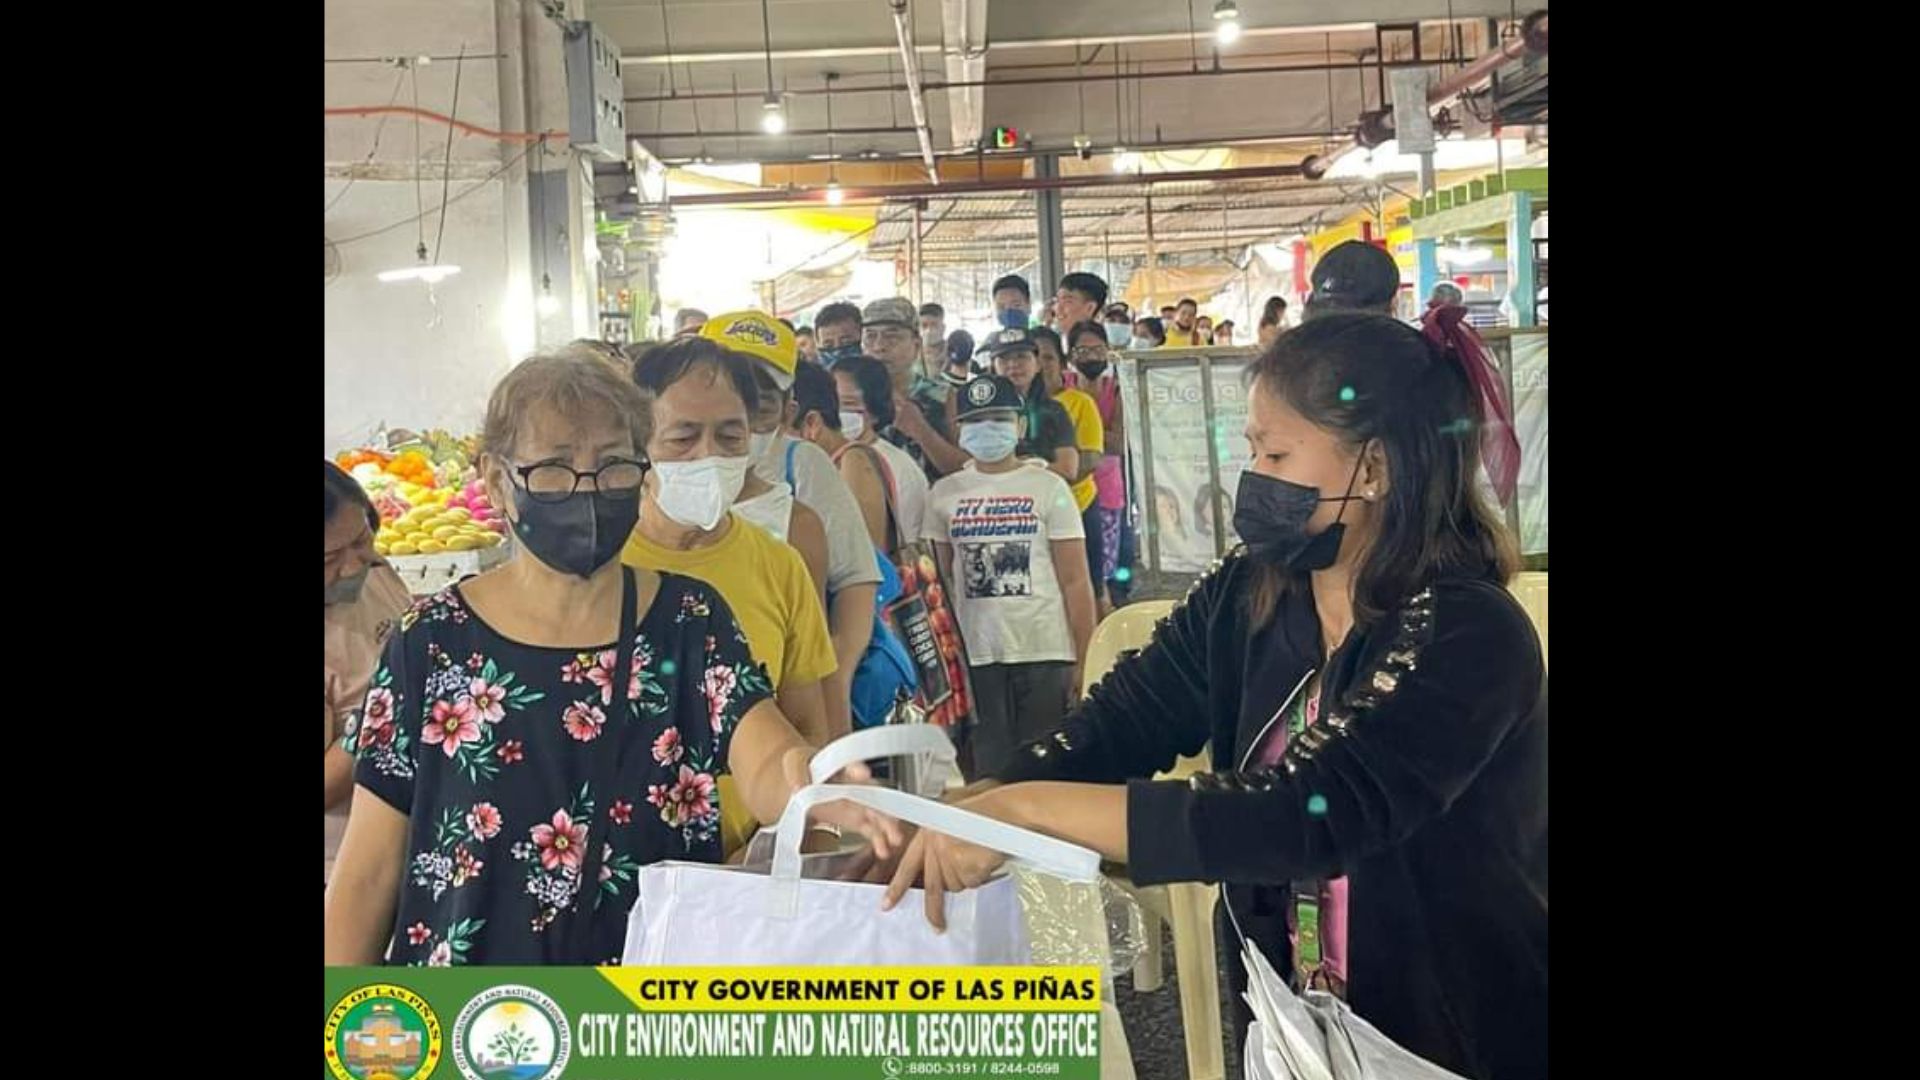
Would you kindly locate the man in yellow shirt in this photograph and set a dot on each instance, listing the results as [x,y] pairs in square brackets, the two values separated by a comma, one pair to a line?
[1089,437]
[703,397]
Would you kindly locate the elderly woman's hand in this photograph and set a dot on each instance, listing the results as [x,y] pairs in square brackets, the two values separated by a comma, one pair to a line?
[881,830]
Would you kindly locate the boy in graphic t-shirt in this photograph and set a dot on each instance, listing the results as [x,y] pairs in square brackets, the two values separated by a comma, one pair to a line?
[1011,544]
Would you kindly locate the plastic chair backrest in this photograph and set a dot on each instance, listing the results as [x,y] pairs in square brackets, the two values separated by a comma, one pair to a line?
[1125,630]
[1128,628]
[1531,590]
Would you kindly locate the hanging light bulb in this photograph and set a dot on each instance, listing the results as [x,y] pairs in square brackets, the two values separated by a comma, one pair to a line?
[1226,16]
[835,195]
[773,119]
[420,271]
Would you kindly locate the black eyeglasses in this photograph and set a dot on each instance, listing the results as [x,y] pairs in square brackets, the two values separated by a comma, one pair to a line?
[552,482]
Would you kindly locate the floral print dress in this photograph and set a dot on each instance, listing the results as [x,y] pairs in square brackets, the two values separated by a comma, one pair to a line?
[487,745]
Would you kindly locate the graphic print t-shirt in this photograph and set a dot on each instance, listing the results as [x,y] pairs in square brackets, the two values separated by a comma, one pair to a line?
[1002,528]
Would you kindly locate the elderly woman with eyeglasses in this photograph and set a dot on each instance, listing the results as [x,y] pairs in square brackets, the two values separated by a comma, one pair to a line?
[535,735]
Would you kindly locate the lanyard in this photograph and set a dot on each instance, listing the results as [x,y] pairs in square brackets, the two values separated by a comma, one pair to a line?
[1306,898]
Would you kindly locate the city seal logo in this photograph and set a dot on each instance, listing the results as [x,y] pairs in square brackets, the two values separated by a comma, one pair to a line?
[512,1033]
[980,393]
[382,1032]
[753,330]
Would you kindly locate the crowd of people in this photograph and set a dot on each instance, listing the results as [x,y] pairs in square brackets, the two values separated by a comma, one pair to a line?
[706,527]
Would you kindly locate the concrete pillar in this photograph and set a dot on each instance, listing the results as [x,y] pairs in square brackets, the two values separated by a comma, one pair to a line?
[1046,209]
[1427,274]
[1521,289]
[400,353]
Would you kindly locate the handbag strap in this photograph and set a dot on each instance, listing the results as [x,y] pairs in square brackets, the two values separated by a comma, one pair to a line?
[887,488]
[606,765]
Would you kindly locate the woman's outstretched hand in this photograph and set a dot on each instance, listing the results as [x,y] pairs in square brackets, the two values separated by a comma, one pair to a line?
[941,864]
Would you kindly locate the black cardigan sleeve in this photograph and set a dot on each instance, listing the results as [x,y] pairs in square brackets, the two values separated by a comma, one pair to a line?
[1406,737]
[1149,710]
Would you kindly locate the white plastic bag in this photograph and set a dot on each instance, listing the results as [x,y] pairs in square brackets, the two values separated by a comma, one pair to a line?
[1317,1036]
[698,913]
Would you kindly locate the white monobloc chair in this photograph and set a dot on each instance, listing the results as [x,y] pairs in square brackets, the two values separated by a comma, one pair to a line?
[1186,907]
[1531,590]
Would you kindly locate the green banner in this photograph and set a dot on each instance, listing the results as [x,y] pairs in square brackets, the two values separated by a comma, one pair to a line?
[543,1023]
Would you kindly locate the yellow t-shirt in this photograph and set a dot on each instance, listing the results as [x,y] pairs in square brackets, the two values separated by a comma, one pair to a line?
[766,584]
[1089,434]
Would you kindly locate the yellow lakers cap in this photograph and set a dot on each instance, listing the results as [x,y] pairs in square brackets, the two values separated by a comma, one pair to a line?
[760,336]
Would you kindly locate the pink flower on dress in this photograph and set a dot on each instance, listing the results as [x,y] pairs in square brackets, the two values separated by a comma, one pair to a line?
[512,752]
[476,662]
[451,726]
[488,701]
[601,675]
[689,798]
[418,933]
[484,820]
[379,711]
[584,721]
[720,683]
[606,857]
[621,812]
[666,748]
[442,955]
[561,842]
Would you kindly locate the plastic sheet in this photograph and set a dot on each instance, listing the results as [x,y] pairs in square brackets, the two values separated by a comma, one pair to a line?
[1080,923]
[1316,1036]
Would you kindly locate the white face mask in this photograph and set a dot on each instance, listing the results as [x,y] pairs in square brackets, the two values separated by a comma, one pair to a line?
[771,510]
[853,424]
[696,494]
[990,440]
[759,443]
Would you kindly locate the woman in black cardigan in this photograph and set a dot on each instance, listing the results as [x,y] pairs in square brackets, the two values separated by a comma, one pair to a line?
[1375,700]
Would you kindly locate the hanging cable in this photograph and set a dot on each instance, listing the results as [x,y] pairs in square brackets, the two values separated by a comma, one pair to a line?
[540,217]
[766,37]
[666,32]
[399,80]
[429,114]
[446,167]
[477,185]
[1081,88]
[1329,84]
[1193,39]
[419,197]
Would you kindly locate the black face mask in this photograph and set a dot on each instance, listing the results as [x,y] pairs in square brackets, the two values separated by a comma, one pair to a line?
[579,534]
[1272,518]
[1092,369]
[832,356]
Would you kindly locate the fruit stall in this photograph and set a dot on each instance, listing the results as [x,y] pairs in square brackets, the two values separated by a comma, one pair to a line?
[437,524]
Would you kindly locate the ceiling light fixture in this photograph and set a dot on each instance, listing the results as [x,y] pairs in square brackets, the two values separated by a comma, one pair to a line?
[1226,16]
[773,119]
[432,274]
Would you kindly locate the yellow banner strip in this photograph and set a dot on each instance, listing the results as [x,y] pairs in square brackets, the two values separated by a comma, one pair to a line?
[866,989]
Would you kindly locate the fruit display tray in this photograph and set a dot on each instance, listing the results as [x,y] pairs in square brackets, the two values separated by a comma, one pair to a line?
[428,574]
